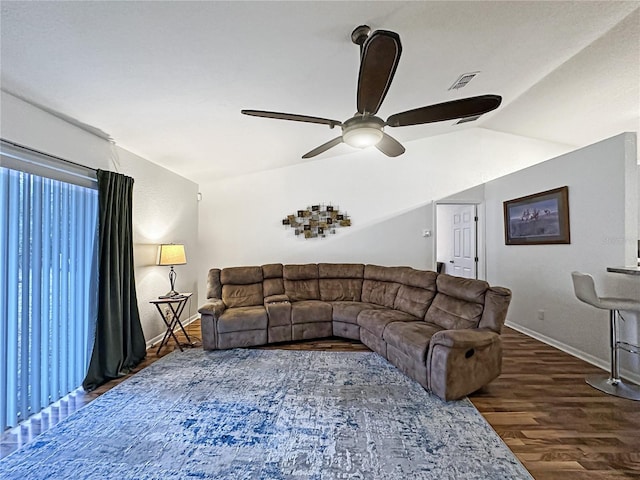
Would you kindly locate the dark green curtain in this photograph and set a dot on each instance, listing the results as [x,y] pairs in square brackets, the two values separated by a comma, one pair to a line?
[119,342]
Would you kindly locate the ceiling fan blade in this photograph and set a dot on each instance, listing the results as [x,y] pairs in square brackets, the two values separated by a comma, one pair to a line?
[323,148]
[379,60]
[466,107]
[292,116]
[390,146]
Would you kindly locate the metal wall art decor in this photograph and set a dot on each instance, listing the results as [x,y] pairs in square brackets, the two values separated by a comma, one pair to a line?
[541,218]
[317,221]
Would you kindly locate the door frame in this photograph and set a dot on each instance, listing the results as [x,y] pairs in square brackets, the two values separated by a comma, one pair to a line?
[480,233]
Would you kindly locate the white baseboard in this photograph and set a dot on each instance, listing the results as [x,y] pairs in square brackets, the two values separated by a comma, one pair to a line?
[158,338]
[627,374]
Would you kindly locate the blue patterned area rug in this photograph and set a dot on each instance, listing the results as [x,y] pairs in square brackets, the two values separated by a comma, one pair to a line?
[268,414]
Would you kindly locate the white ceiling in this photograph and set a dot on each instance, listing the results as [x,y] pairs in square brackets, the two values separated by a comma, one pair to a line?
[167,80]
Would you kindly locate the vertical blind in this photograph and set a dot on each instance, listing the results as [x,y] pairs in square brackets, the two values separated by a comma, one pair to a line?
[48,273]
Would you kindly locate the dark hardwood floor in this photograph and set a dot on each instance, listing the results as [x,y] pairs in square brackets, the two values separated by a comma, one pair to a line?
[558,426]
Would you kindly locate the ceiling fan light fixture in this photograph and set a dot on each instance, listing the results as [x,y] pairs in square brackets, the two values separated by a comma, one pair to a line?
[362,132]
[362,137]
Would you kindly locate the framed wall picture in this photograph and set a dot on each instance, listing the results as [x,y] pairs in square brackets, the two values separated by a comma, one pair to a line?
[538,219]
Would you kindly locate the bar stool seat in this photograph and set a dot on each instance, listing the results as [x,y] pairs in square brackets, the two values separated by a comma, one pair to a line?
[585,290]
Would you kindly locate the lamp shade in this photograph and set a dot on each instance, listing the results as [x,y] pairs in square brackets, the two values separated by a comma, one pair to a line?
[171,254]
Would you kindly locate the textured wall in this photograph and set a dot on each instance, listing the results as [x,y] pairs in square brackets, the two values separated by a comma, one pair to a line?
[603,202]
[165,204]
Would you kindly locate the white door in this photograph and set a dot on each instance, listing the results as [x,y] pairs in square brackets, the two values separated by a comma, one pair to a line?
[463,261]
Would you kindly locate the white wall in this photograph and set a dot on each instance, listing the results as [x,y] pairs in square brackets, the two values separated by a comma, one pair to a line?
[389,200]
[603,201]
[165,206]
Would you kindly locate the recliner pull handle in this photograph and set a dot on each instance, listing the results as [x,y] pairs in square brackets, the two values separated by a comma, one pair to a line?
[469,353]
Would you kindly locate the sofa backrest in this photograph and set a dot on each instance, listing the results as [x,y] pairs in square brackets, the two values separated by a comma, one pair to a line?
[417,291]
[340,281]
[242,286]
[496,304]
[459,302]
[447,301]
[381,284]
[273,283]
[301,282]
[214,287]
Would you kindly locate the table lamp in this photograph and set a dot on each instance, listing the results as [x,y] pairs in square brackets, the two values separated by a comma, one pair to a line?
[170,255]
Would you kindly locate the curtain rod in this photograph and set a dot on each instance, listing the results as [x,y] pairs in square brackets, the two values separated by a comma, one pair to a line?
[33,150]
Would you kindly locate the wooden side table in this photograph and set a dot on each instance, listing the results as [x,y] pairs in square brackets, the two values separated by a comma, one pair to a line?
[171,318]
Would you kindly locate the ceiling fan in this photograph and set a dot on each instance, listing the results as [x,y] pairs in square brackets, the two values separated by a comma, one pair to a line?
[379,57]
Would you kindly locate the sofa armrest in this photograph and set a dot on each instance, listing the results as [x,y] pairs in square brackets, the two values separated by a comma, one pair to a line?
[459,362]
[276,299]
[214,307]
[464,338]
[210,312]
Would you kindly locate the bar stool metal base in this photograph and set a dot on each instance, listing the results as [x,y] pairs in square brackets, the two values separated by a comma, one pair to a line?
[618,389]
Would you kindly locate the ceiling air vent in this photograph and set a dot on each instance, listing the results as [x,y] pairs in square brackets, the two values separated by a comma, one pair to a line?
[468,119]
[463,80]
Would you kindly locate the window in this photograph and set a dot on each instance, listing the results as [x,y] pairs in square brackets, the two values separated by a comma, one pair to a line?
[48,272]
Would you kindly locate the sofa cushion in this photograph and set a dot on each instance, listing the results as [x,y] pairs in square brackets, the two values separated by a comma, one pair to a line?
[301,282]
[411,338]
[310,311]
[376,320]
[379,293]
[273,283]
[279,314]
[272,270]
[381,284]
[425,279]
[459,302]
[241,275]
[468,289]
[452,313]
[384,274]
[345,289]
[242,295]
[347,312]
[415,299]
[240,319]
[241,286]
[340,270]
[340,281]
[300,272]
[273,286]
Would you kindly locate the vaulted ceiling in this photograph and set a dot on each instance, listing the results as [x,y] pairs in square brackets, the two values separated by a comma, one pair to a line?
[167,80]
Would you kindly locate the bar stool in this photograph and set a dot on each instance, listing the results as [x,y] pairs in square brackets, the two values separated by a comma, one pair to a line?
[585,290]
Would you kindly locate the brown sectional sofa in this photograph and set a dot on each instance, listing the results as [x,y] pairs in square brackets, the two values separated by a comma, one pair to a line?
[440,330]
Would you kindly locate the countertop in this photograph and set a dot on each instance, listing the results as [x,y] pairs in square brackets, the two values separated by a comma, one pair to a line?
[629,270]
